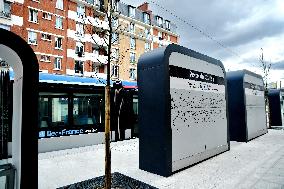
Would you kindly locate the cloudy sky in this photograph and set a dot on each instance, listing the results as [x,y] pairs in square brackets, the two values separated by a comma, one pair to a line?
[243,26]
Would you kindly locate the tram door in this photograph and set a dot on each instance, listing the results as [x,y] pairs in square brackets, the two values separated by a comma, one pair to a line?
[122,113]
[135,116]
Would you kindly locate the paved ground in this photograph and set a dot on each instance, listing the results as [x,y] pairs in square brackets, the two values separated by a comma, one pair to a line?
[256,164]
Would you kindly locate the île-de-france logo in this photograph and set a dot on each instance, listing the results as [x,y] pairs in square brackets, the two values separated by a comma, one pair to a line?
[41,134]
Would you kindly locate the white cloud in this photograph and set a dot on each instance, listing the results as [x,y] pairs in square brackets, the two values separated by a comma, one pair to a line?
[243,26]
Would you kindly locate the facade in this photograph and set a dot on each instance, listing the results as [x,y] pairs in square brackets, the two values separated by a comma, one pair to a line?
[68,36]
[140,31]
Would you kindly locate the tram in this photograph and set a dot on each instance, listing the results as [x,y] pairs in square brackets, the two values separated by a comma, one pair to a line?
[72,111]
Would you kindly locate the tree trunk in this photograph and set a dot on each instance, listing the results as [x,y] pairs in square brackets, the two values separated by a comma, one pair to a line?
[267,109]
[107,139]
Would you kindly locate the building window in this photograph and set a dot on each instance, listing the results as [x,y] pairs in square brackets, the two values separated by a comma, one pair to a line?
[132,57]
[57,63]
[131,28]
[115,71]
[59,22]
[95,51]
[115,54]
[115,5]
[59,4]
[95,68]
[6,12]
[132,43]
[98,68]
[79,29]
[32,38]
[114,22]
[79,67]
[58,42]
[146,18]
[168,25]
[79,49]
[45,58]
[160,35]
[46,16]
[33,15]
[114,39]
[80,11]
[147,46]
[132,73]
[131,11]
[46,37]
[159,21]
[147,33]
[97,3]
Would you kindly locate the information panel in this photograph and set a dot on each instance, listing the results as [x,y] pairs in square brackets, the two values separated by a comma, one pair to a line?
[255,106]
[276,107]
[247,118]
[182,109]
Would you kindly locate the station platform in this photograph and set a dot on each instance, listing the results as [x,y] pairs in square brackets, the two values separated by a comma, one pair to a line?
[256,164]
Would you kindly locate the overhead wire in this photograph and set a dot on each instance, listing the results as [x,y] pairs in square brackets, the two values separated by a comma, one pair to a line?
[196,28]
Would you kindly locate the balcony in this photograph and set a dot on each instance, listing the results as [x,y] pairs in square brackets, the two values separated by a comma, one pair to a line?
[98,41]
[95,75]
[97,23]
[80,34]
[99,58]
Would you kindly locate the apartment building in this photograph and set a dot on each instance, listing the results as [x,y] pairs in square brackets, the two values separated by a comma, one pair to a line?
[68,36]
[140,31]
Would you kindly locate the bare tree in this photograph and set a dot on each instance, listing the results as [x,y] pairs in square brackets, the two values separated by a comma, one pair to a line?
[102,37]
[108,36]
[265,68]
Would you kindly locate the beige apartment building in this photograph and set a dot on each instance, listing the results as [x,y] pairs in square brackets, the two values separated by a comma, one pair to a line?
[68,35]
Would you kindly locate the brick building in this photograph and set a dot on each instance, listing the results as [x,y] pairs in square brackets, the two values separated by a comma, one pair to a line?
[68,35]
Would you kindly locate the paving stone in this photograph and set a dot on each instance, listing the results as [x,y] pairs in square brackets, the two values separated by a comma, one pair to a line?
[257,163]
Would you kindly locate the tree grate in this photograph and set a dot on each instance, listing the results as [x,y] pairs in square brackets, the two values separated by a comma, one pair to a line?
[119,181]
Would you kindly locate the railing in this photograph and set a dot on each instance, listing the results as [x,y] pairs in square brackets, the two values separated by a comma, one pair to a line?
[8,170]
[97,40]
[5,14]
[78,34]
[99,58]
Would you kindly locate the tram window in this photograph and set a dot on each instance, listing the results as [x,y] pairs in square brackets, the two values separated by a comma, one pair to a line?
[135,110]
[88,109]
[135,105]
[59,111]
[53,111]
[43,112]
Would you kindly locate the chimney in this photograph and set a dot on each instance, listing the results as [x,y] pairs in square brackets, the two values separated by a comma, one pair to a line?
[144,7]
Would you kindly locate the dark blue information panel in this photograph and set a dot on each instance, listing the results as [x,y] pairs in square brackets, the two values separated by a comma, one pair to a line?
[276,106]
[182,109]
[247,119]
